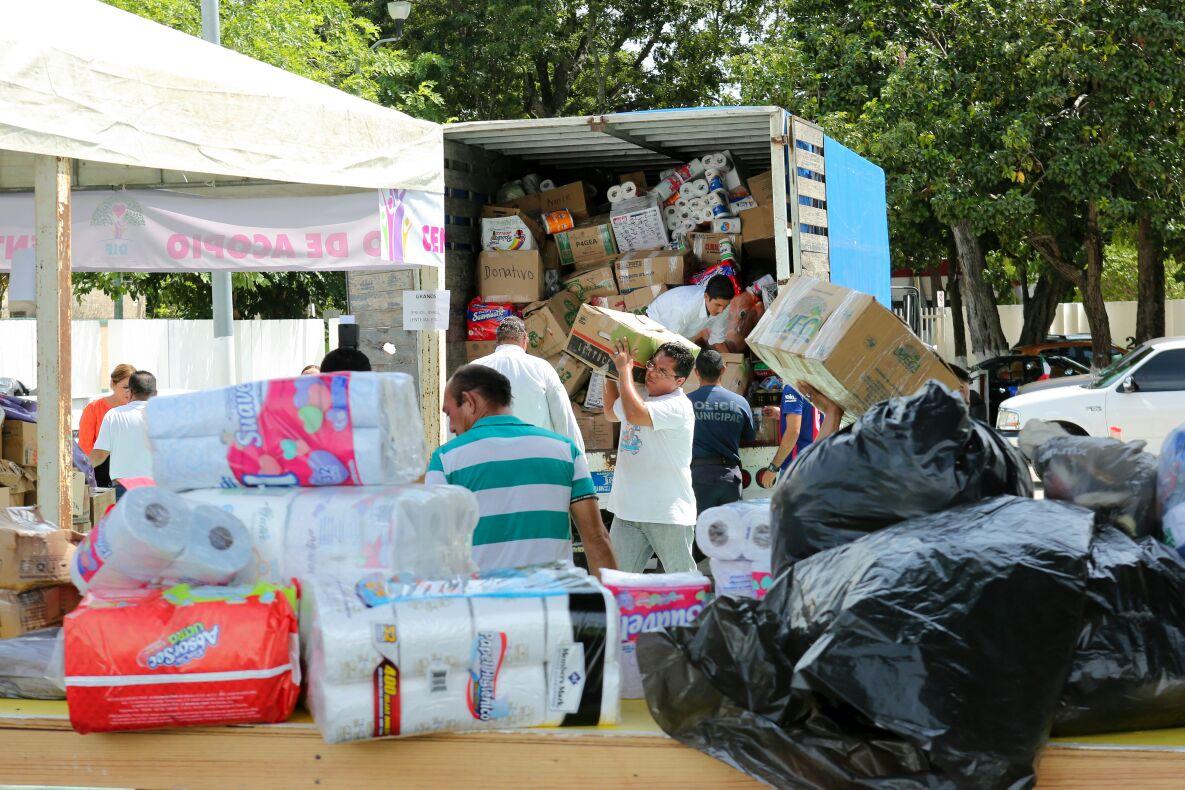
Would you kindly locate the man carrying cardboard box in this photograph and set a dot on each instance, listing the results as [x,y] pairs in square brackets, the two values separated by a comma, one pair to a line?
[539,397]
[652,500]
[695,310]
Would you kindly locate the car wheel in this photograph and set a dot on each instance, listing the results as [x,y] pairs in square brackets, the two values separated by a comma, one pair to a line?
[1072,429]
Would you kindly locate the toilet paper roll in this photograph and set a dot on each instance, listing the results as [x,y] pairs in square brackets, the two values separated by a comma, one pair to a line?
[715,179]
[682,203]
[343,713]
[717,198]
[145,532]
[708,213]
[435,704]
[264,513]
[687,189]
[629,190]
[433,633]
[672,223]
[758,537]
[518,697]
[523,621]
[688,225]
[350,652]
[696,168]
[178,461]
[696,205]
[720,534]
[546,185]
[218,549]
[670,211]
[197,414]
[614,194]
[700,187]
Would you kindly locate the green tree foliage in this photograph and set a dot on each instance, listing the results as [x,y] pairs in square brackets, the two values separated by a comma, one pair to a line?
[513,59]
[322,40]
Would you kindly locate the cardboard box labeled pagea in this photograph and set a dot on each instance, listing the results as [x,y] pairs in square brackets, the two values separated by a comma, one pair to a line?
[44,607]
[597,330]
[656,267]
[510,276]
[594,282]
[573,374]
[705,247]
[504,228]
[638,224]
[32,552]
[18,442]
[548,323]
[736,377]
[593,242]
[845,344]
[476,349]
[597,431]
[637,300]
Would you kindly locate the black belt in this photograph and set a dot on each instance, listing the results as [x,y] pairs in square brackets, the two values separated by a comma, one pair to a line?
[718,460]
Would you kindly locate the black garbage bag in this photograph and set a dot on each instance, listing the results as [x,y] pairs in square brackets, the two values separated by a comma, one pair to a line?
[929,653]
[1115,479]
[1129,668]
[905,457]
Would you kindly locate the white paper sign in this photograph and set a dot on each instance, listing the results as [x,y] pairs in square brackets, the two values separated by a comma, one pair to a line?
[940,299]
[425,310]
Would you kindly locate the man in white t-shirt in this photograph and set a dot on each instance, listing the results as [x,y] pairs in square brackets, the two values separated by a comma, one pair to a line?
[698,312]
[539,397]
[123,435]
[652,500]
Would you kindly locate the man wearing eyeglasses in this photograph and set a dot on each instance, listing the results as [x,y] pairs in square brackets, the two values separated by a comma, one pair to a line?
[652,500]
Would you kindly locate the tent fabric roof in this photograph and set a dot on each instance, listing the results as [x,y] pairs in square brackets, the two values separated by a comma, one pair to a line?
[82,79]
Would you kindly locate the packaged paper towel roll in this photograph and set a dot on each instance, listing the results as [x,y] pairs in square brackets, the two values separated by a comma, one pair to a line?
[218,549]
[522,620]
[136,542]
[436,703]
[434,633]
[343,713]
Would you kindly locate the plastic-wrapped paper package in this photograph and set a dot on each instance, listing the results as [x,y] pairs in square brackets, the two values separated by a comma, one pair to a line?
[737,541]
[154,537]
[422,530]
[883,662]
[31,666]
[1170,490]
[650,602]
[525,648]
[336,429]
[903,458]
[1117,480]
[184,656]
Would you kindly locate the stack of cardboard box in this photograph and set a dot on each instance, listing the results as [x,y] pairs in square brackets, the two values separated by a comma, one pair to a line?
[35,588]
[18,477]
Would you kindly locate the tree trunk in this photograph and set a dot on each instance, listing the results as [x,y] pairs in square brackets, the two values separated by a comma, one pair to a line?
[956,311]
[987,339]
[1092,295]
[1041,307]
[1150,320]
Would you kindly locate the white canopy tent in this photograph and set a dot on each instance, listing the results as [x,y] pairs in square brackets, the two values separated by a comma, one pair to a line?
[84,86]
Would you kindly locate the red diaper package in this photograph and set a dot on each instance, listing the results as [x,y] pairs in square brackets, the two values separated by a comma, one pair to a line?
[482,318]
[181,657]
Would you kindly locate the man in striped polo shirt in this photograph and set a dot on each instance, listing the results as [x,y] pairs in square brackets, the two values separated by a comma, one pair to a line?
[527,480]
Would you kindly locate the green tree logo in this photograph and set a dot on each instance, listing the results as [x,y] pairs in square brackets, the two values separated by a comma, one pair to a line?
[118,211]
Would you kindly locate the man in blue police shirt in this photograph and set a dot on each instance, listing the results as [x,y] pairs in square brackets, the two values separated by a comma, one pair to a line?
[723,420]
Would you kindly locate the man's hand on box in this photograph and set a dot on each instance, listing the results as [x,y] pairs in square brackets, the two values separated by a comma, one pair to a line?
[623,359]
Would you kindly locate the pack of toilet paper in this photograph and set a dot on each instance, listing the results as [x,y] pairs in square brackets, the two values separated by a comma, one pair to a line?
[492,651]
[736,538]
[651,602]
[182,656]
[153,538]
[337,429]
[351,532]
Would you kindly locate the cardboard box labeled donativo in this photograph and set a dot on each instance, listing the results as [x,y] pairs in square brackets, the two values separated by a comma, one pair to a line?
[845,344]
[510,276]
[598,329]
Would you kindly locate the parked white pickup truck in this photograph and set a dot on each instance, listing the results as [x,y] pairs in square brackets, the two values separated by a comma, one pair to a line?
[1140,396]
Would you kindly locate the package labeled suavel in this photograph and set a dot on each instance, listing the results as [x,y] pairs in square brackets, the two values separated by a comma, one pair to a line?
[656,267]
[705,247]
[594,282]
[587,243]
[598,329]
[510,276]
[846,345]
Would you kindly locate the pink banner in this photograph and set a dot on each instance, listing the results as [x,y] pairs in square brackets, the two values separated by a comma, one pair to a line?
[161,231]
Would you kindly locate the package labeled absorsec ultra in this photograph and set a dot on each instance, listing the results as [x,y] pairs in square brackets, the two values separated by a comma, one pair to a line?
[524,648]
[336,429]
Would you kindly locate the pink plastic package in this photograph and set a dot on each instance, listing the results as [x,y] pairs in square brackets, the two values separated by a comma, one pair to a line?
[652,602]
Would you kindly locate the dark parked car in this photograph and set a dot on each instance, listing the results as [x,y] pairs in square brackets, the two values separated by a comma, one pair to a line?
[1000,378]
[1075,347]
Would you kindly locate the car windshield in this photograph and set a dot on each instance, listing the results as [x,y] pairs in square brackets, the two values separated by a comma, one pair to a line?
[1119,368]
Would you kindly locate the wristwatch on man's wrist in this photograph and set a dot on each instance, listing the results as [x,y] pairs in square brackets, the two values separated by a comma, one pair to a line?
[772,468]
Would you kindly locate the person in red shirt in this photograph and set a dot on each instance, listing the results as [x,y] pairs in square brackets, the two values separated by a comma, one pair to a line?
[95,411]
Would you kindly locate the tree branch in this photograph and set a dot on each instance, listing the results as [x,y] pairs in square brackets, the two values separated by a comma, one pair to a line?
[1047,247]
